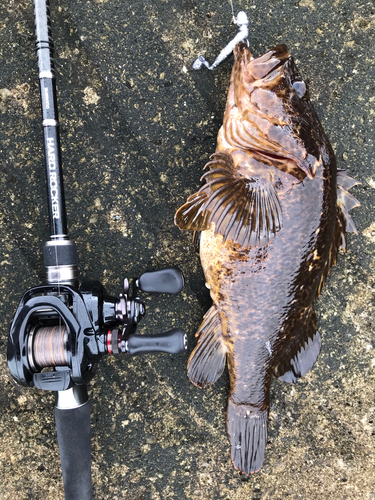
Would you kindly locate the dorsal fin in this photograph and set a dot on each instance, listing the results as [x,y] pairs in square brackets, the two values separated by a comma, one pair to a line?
[303,350]
[344,223]
[245,209]
[345,200]
[304,360]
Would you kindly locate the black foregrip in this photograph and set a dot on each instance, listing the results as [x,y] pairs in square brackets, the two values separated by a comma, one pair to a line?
[74,438]
[63,254]
[173,342]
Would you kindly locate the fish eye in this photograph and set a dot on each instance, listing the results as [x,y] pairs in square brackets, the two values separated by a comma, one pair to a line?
[300,88]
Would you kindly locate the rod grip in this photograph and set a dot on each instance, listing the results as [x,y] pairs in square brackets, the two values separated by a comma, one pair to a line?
[74,438]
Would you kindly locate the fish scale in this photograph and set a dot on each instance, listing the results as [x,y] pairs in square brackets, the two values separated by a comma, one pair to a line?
[273,213]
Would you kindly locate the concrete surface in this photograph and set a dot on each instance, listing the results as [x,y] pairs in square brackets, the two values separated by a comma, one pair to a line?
[137,126]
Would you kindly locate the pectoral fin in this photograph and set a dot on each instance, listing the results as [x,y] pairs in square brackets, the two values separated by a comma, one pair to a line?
[207,361]
[245,210]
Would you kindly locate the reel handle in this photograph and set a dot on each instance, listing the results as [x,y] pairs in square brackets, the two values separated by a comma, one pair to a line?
[173,342]
[168,280]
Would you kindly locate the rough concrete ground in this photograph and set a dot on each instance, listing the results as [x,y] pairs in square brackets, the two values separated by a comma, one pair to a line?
[137,126]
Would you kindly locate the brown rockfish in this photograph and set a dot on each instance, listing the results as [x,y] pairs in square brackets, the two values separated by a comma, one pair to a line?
[273,213]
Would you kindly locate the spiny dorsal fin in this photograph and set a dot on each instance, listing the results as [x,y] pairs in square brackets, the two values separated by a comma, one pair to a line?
[344,223]
[245,210]
[303,352]
[345,200]
[345,181]
[207,361]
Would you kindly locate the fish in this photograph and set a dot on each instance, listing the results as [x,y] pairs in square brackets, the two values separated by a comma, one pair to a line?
[270,218]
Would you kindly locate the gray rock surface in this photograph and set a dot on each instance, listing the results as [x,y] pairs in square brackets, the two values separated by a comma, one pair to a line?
[137,126]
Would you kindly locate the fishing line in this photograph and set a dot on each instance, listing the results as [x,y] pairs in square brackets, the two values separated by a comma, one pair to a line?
[233,16]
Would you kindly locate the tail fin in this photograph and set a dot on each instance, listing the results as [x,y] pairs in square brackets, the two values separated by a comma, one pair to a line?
[247,430]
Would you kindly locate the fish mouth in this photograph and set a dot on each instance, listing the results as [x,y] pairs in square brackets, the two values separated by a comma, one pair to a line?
[264,65]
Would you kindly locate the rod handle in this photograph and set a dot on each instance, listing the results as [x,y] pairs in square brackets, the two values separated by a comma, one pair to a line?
[74,438]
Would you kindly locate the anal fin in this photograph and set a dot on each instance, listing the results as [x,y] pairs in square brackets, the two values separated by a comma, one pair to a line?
[207,361]
[303,351]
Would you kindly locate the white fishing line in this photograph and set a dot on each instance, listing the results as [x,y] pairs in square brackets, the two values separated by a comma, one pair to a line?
[233,18]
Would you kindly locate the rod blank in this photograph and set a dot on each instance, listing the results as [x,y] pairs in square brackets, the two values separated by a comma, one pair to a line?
[44,48]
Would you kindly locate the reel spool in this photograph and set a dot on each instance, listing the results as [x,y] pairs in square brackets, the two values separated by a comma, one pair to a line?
[48,347]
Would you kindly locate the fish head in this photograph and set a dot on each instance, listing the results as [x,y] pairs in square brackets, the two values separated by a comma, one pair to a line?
[269,113]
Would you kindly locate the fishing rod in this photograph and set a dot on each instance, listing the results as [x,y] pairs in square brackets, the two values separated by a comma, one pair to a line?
[62,329]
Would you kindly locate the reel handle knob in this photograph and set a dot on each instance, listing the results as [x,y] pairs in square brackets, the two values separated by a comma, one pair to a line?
[174,342]
[168,280]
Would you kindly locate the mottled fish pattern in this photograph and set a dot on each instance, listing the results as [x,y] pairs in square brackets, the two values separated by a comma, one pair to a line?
[272,215]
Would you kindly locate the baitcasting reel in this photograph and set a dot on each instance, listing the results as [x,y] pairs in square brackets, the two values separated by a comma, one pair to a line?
[67,328]
[70,329]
